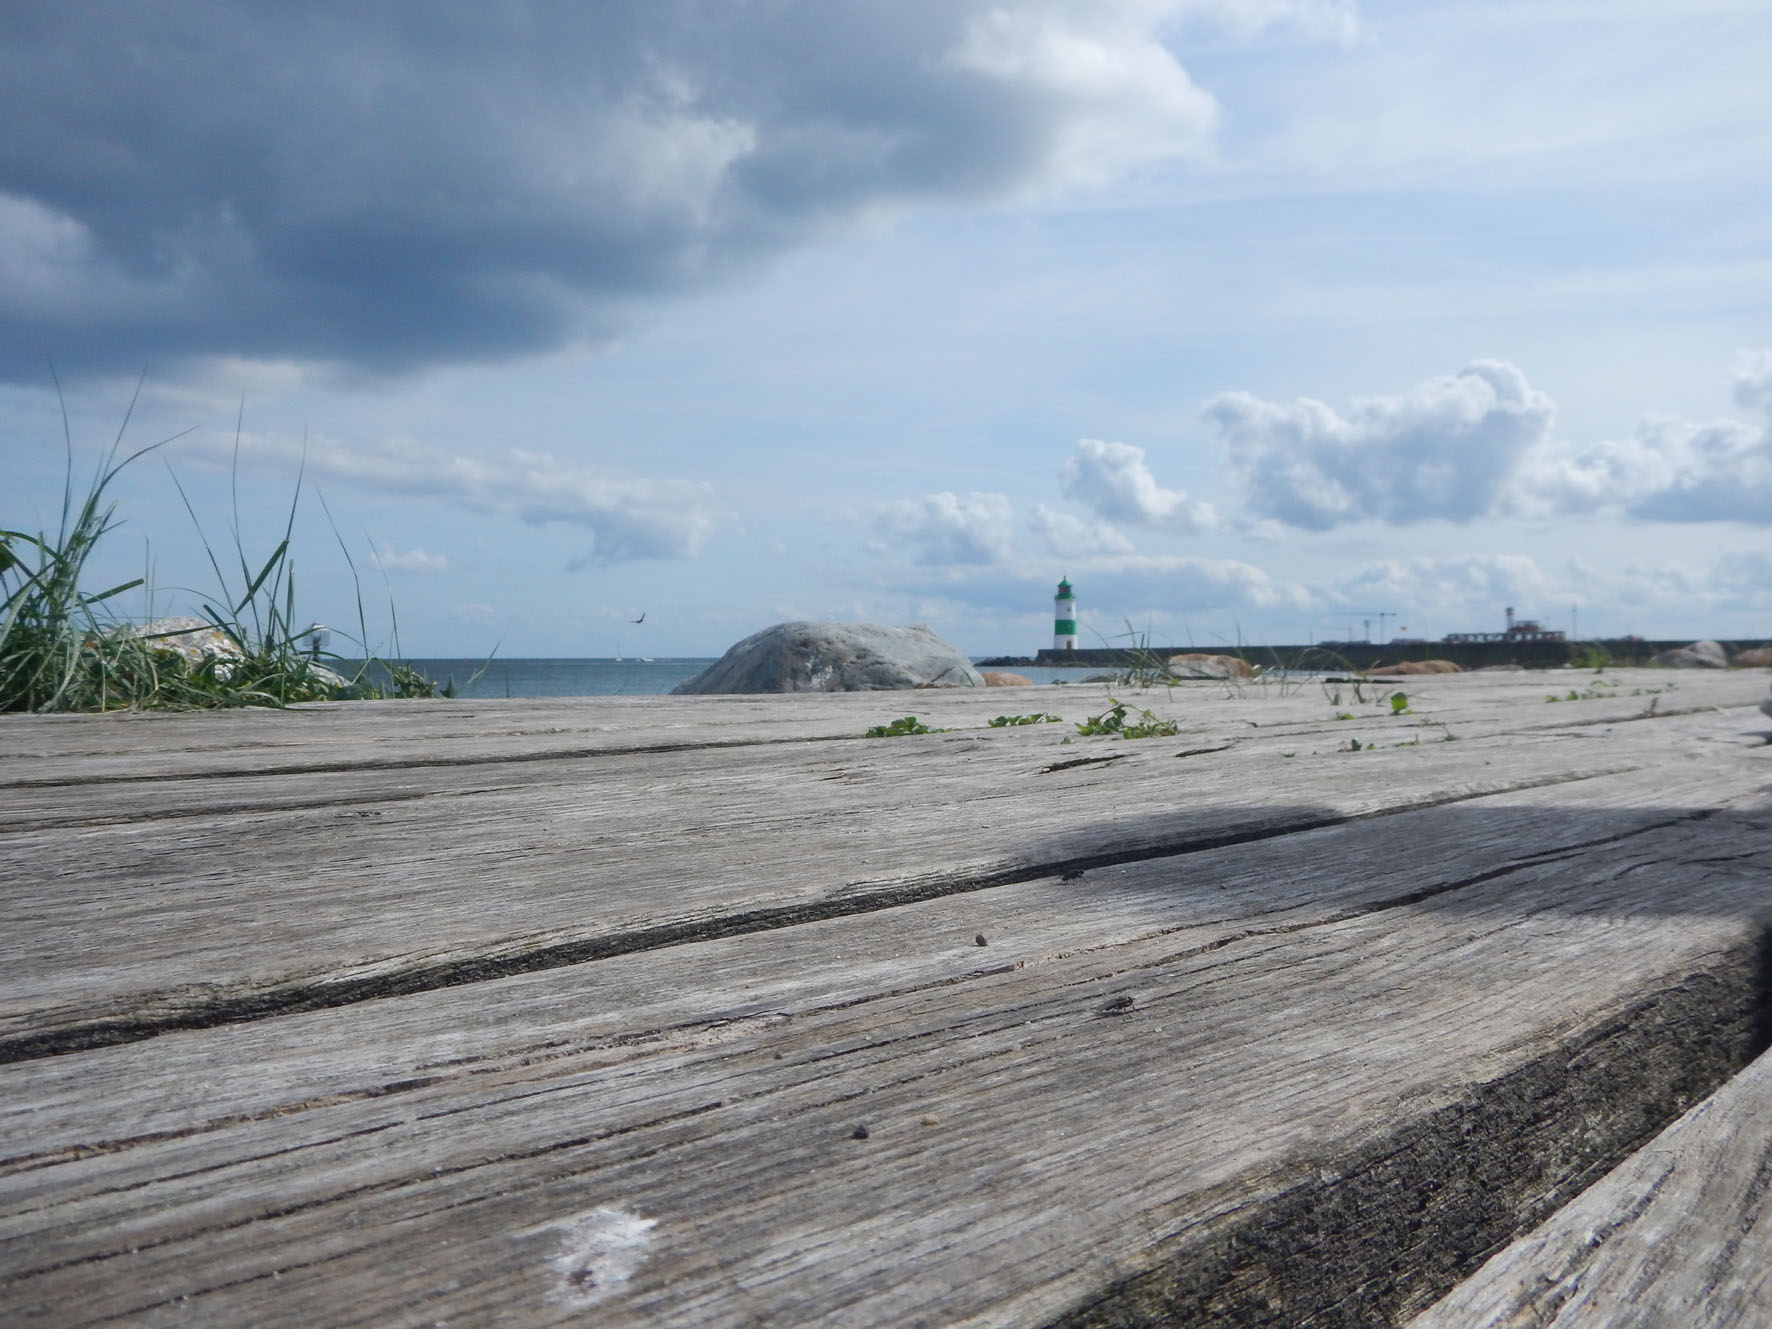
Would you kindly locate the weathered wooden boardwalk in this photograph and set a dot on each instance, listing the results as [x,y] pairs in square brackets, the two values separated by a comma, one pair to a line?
[709,1011]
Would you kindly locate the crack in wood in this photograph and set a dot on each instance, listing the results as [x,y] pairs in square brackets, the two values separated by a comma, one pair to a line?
[349,806]
[1083,761]
[420,763]
[93,1148]
[384,1187]
[297,997]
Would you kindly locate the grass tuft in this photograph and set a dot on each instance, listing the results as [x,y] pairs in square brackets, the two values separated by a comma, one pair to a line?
[1113,722]
[63,648]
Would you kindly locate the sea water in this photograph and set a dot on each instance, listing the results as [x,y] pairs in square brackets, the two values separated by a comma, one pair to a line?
[612,678]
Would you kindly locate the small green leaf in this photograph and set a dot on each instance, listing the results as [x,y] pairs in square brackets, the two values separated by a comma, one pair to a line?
[908,724]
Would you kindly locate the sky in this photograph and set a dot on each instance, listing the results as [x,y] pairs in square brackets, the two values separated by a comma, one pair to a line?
[1259,320]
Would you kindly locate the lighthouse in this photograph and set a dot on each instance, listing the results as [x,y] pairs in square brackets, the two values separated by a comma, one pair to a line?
[1064,618]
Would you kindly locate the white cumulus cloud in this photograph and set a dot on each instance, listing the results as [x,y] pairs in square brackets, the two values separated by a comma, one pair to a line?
[1462,588]
[950,529]
[1668,470]
[1114,482]
[389,559]
[629,516]
[1063,533]
[1448,450]
[1113,94]
[1181,584]
[1753,381]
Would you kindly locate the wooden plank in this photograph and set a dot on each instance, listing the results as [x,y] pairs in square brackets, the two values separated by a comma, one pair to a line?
[1074,1156]
[1549,928]
[341,737]
[1206,900]
[1678,1234]
[151,922]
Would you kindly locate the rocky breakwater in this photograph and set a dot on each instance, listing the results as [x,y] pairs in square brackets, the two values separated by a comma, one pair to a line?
[1699,655]
[836,657]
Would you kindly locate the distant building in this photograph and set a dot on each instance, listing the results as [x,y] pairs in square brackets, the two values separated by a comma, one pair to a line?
[1064,618]
[1525,629]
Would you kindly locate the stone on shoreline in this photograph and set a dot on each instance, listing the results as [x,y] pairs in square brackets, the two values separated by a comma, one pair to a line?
[194,639]
[998,678]
[1409,667]
[1699,655]
[835,657]
[1192,665]
[1757,657]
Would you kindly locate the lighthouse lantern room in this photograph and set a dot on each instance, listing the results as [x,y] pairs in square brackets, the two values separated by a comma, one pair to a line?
[1064,618]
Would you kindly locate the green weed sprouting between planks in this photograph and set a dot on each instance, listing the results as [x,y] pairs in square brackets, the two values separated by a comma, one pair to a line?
[1039,717]
[1112,722]
[908,724]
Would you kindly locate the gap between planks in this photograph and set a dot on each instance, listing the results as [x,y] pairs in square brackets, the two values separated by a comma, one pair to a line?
[155,1014]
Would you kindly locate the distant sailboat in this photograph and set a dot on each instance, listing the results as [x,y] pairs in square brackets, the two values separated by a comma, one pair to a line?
[618,652]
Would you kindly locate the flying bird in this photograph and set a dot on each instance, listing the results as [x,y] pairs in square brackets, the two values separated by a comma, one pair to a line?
[642,617]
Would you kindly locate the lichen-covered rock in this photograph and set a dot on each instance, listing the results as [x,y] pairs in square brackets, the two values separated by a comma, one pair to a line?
[998,678]
[836,657]
[1699,655]
[1210,666]
[195,639]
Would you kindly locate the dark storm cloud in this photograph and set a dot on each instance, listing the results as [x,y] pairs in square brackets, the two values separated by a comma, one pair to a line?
[403,184]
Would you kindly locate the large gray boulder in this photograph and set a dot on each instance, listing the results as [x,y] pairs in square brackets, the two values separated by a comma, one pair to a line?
[1699,655]
[196,639]
[836,657]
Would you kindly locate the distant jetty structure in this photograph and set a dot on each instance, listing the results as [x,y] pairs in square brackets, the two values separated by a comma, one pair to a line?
[1525,629]
[1522,643]
[1064,617]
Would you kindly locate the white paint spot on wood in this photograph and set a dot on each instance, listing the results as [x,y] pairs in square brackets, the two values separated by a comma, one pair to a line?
[598,1254]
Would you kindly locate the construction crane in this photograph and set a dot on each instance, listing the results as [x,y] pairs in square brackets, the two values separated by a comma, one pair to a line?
[1380,615]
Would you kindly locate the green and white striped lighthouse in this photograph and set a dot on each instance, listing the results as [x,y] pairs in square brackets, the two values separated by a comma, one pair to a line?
[1064,618]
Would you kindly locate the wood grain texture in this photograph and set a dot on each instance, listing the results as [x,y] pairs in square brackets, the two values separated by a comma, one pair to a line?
[1253,1038]
[1678,1234]
[282,891]
[1069,1147]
